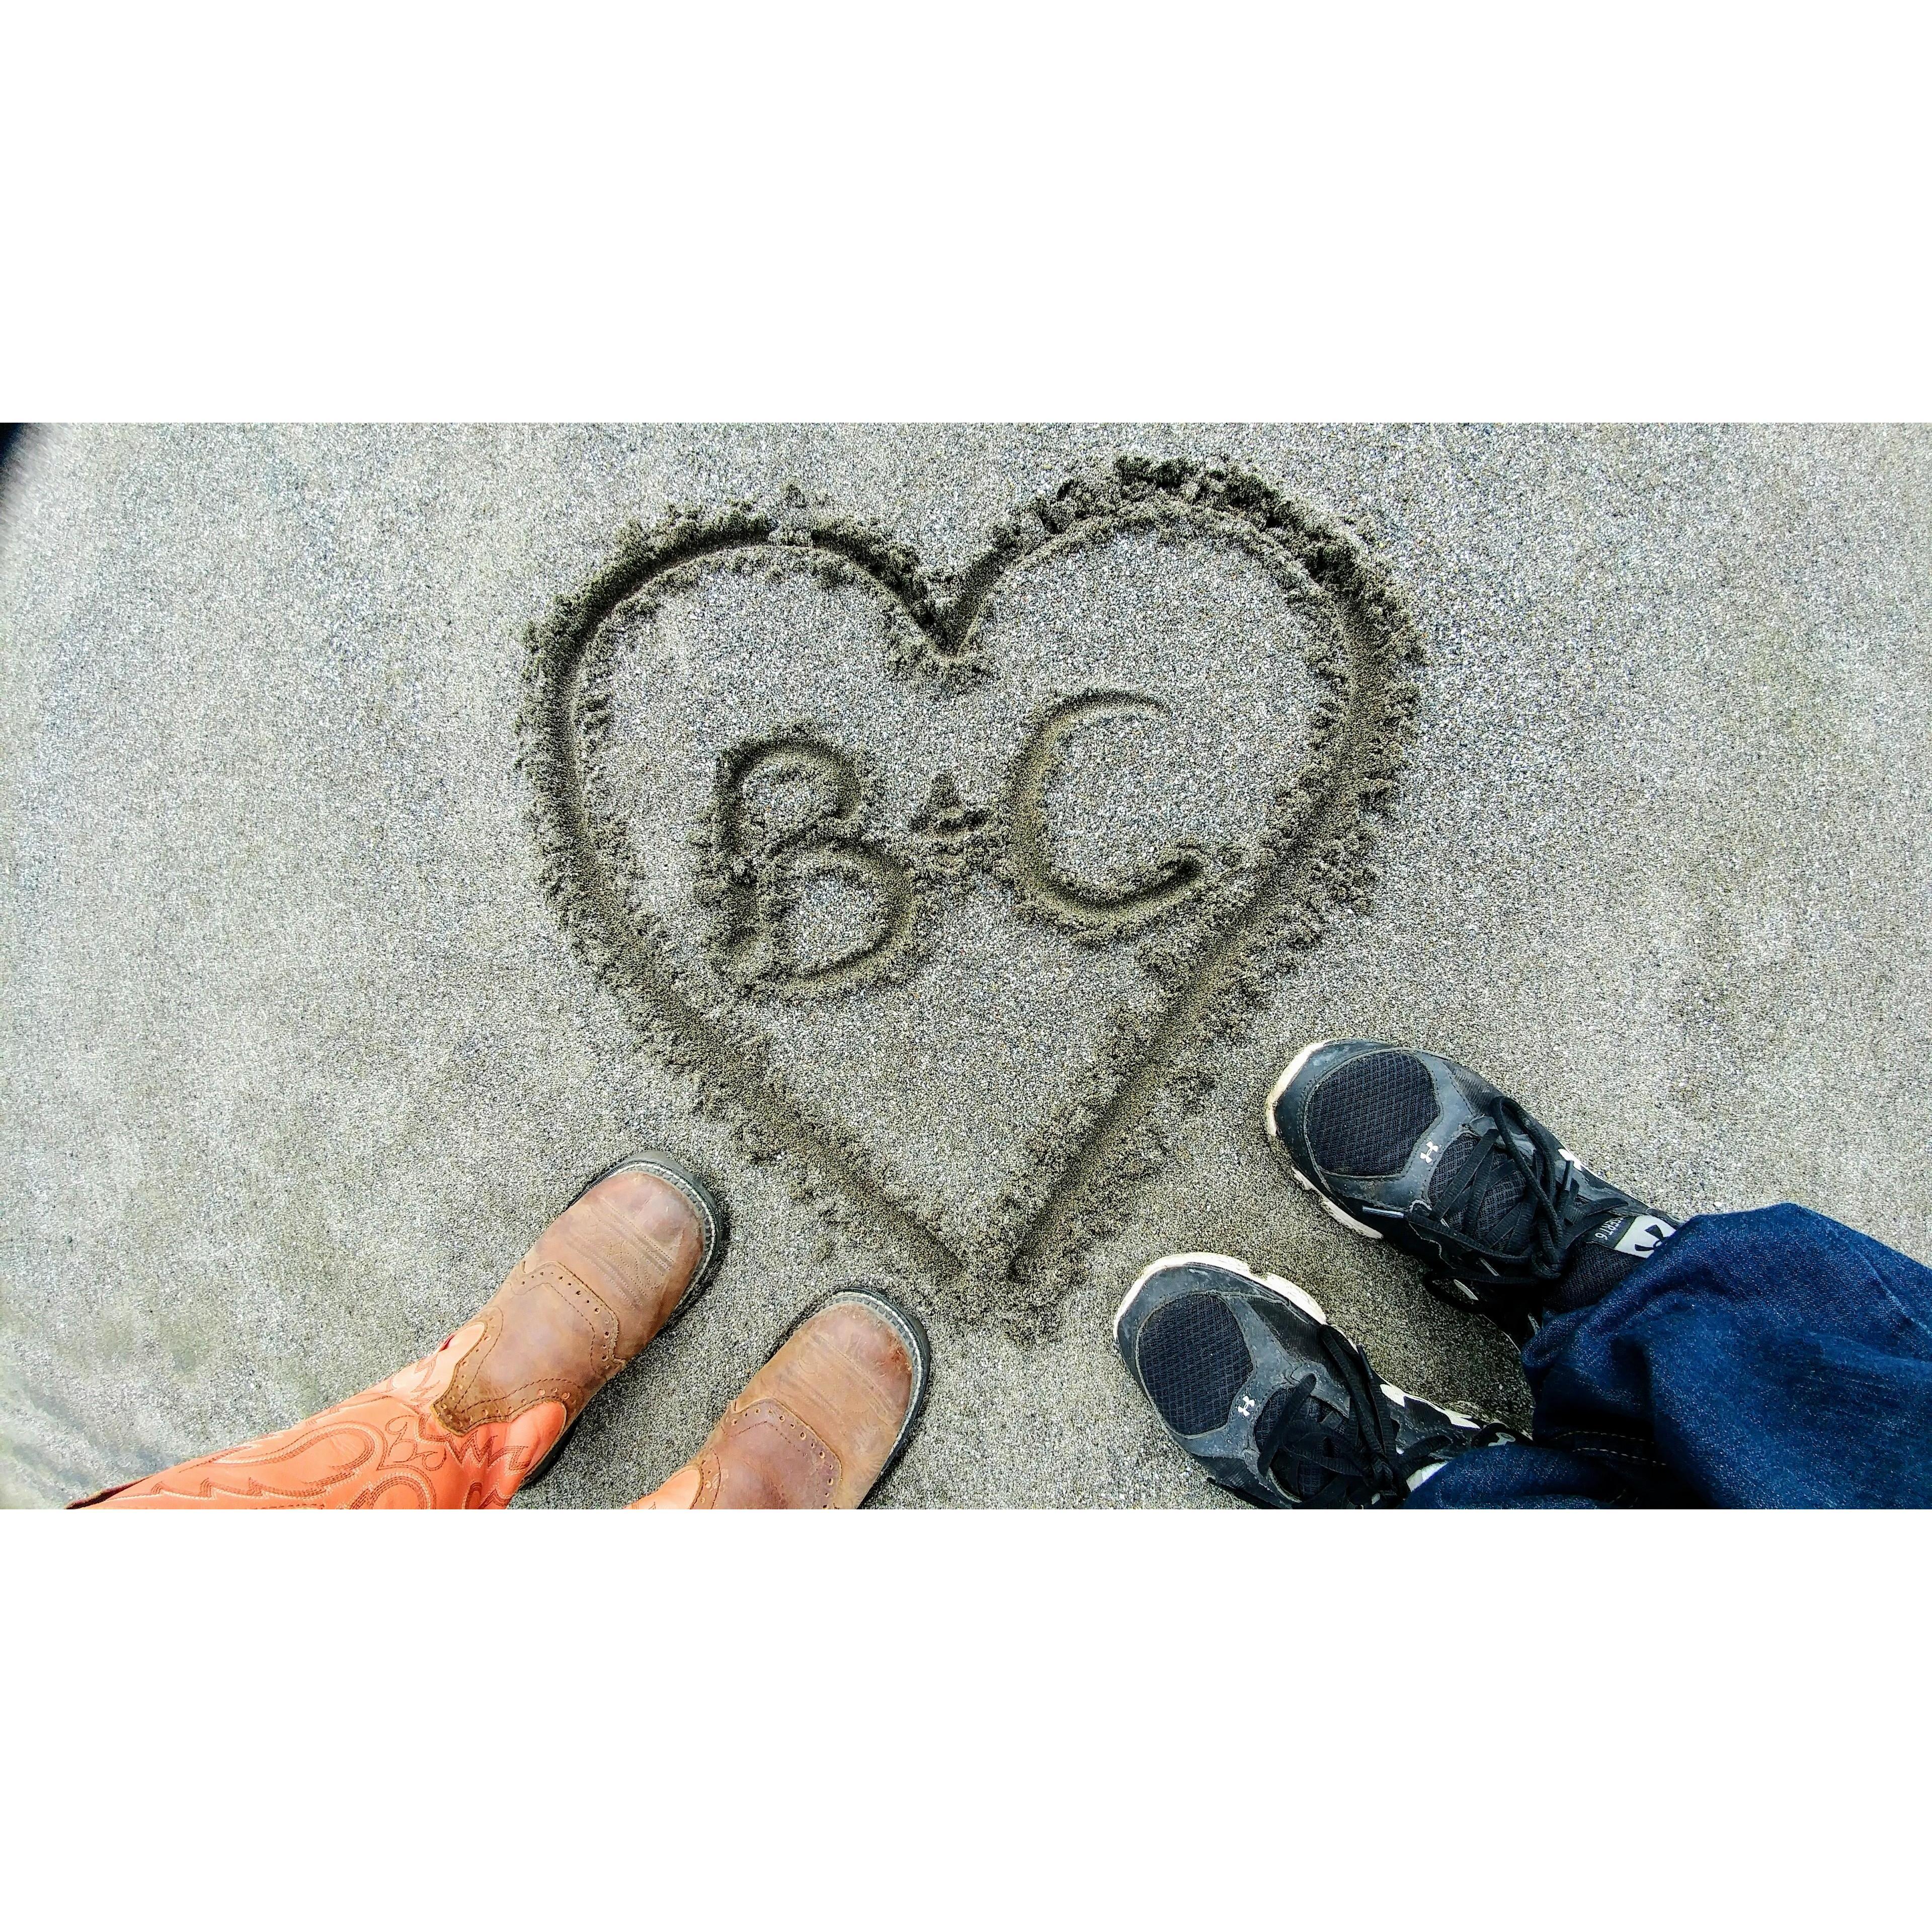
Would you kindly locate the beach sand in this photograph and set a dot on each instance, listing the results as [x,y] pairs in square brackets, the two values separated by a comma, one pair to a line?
[942,835]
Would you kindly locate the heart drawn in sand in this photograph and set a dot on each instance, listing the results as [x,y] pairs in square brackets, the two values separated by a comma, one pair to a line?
[766,888]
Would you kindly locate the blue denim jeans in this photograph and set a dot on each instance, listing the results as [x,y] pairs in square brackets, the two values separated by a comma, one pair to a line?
[1774,1359]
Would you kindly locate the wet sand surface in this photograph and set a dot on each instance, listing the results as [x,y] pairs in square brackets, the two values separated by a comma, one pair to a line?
[307,1032]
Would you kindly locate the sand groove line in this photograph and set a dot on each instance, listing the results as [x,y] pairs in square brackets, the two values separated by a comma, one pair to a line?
[1285,884]
[655,1001]
[1073,1187]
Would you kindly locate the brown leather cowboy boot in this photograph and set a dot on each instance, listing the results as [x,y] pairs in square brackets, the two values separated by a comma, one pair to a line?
[637,1246]
[462,1428]
[820,1424]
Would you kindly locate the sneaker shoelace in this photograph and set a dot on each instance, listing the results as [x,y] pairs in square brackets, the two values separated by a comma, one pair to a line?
[1355,1451]
[1531,1245]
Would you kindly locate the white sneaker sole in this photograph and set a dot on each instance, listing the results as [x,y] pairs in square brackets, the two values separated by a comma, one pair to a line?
[1281,1086]
[1289,1291]
[1275,1093]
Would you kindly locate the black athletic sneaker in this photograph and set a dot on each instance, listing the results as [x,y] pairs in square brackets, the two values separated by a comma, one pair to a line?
[1273,1403]
[1410,1148]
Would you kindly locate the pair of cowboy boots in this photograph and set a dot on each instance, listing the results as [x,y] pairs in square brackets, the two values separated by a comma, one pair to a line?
[817,1427]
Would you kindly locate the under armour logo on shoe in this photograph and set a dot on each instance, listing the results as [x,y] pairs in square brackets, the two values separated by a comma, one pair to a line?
[1245,1404]
[1429,1153]
[1643,1234]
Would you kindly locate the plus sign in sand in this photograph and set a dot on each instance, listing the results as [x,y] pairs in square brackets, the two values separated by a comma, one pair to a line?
[942,835]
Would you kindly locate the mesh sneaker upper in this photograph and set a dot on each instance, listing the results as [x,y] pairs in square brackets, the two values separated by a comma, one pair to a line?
[1300,1479]
[1592,1270]
[1192,1363]
[1490,1214]
[1367,1116]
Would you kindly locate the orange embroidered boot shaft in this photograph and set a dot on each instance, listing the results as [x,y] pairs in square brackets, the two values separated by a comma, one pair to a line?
[821,1423]
[467,1427]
